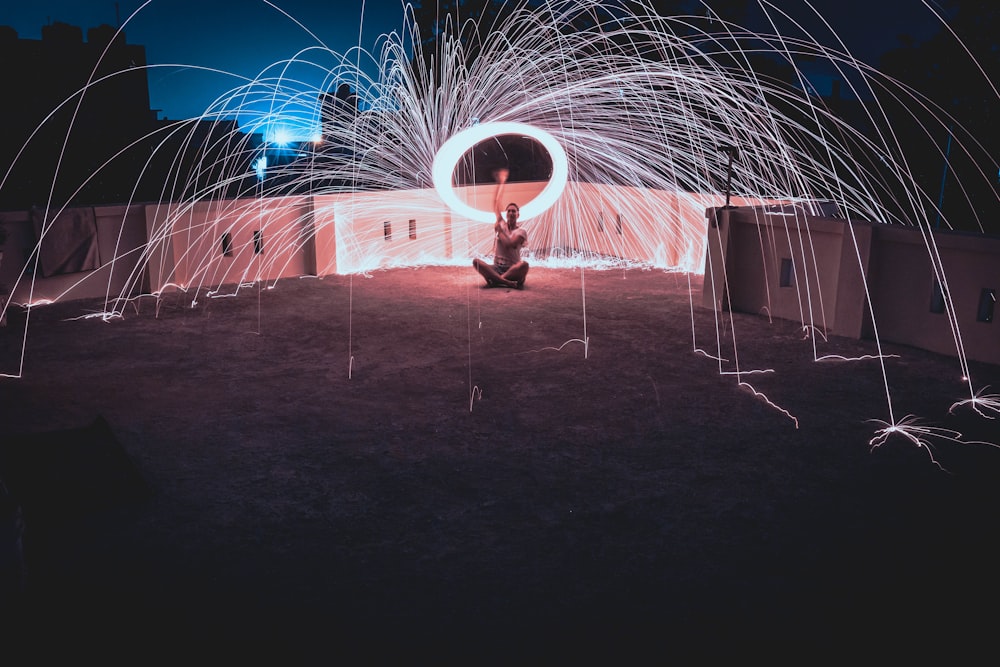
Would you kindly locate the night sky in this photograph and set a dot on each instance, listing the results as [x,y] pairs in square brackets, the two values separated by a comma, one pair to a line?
[238,36]
[245,36]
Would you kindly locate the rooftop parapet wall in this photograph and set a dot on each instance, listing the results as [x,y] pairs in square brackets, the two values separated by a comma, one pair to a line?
[820,271]
[120,238]
[785,263]
[150,248]
[907,307]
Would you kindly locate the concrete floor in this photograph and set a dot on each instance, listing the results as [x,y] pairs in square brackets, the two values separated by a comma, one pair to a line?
[408,464]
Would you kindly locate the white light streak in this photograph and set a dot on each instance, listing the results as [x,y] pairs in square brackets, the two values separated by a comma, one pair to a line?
[983,404]
[769,402]
[452,151]
[910,428]
[631,108]
[582,341]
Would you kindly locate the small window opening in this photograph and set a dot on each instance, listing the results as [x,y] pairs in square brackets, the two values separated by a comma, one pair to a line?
[987,304]
[413,230]
[618,222]
[787,276]
[227,245]
[937,298]
[258,242]
[387,230]
[600,221]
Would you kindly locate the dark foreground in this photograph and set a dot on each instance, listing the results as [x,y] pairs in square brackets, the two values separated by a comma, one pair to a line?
[297,473]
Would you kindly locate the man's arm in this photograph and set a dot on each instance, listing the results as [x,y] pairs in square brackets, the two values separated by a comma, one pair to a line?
[509,239]
[501,175]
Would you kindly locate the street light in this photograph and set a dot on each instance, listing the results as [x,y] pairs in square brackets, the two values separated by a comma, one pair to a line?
[260,166]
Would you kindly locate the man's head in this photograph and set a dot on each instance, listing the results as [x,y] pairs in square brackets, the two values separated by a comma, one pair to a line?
[513,211]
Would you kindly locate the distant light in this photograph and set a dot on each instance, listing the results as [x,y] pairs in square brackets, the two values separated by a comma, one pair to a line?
[453,150]
[282,137]
[260,166]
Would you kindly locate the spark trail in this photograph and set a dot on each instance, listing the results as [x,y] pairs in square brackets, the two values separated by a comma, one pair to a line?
[638,105]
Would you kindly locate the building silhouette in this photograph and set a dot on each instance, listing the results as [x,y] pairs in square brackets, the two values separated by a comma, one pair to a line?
[77,104]
[79,130]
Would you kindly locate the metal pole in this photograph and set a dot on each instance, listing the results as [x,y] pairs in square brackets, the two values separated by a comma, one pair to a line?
[944,176]
[729,176]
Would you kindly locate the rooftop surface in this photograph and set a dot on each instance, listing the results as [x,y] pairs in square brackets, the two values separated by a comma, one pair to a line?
[409,463]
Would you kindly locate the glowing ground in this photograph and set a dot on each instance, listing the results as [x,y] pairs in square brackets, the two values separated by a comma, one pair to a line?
[634,499]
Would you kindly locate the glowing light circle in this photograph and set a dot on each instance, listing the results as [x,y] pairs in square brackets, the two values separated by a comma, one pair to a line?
[453,150]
